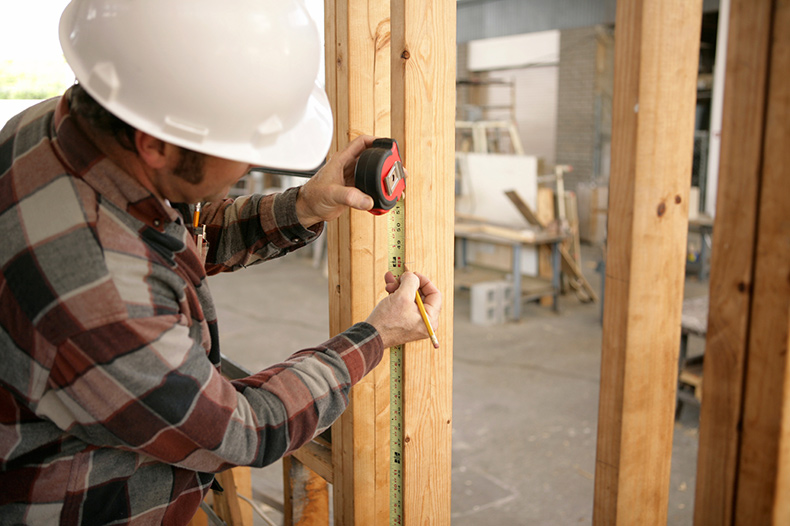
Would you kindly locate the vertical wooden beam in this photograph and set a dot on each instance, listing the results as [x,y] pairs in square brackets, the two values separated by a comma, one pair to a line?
[227,504]
[744,465]
[306,499]
[423,115]
[764,463]
[763,478]
[358,84]
[732,266]
[656,54]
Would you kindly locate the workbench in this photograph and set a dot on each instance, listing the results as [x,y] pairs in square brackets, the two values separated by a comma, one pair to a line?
[526,288]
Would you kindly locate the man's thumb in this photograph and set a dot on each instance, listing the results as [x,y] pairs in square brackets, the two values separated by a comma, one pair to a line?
[359,199]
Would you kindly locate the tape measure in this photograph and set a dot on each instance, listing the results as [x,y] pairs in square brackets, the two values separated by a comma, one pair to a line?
[396,252]
[379,173]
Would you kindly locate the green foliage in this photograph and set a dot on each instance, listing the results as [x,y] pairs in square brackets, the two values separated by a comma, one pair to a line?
[37,79]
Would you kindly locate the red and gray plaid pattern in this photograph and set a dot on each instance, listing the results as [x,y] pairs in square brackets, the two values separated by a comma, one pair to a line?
[112,409]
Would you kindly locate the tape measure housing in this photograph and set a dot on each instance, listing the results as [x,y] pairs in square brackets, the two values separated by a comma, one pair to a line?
[379,173]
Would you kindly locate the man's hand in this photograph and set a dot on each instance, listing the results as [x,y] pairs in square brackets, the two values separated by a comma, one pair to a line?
[397,317]
[325,195]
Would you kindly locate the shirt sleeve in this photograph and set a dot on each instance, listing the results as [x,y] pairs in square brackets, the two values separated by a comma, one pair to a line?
[253,228]
[165,400]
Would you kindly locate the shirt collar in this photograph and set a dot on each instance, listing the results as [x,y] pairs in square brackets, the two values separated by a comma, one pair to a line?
[84,160]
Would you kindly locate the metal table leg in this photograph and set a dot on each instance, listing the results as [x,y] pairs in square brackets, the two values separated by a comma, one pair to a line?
[516,281]
[555,274]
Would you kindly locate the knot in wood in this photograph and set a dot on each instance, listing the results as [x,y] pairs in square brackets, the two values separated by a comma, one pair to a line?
[405,55]
[678,200]
[662,208]
[383,35]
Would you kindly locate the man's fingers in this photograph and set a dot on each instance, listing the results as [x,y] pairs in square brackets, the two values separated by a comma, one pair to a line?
[390,282]
[393,283]
[409,282]
[355,149]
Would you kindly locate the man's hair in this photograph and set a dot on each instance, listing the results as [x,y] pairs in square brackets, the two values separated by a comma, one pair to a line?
[190,165]
[98,117]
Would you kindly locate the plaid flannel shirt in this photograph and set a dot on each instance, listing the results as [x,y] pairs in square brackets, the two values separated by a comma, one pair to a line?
[112,408]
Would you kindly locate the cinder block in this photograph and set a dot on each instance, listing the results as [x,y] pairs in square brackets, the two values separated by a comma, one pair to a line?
[491,302]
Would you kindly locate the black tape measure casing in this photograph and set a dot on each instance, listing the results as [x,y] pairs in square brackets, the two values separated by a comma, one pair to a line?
[379,173]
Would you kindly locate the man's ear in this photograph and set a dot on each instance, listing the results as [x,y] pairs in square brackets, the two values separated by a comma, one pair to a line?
[153,152]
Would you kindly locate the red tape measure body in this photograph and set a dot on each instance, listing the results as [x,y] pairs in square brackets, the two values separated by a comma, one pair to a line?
[379,173]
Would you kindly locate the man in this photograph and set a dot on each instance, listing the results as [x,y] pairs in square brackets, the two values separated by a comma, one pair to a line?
[112,408]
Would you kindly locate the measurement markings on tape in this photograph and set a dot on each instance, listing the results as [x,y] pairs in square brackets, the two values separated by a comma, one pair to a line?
[379,173]
[396,255]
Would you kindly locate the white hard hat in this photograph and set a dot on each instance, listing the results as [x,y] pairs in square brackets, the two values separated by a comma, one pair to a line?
[233,79]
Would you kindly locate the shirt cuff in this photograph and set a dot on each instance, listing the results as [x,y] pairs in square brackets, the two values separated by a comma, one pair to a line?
[288,222]
[365,351]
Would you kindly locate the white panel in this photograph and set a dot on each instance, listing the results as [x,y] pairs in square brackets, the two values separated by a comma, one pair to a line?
[484,180]
[514,51]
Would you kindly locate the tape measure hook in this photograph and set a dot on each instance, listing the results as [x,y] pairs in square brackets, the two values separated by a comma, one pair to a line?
[395,175]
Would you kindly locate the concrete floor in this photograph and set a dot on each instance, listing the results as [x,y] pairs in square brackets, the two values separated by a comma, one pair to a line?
[525,396]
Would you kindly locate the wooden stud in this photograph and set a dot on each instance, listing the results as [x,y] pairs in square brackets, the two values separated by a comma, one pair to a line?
[763,478]
[764,472]
[317,455]
[358,84]
[305,495]
[754,444]
[423,115]
[732,265]
[199,519]
[358,73]
[656,58]
[227,504]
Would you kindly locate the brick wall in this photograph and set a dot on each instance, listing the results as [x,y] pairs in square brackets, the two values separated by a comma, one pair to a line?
[584,103]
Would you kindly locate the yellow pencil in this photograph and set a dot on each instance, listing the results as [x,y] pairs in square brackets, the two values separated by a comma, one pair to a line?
[424,314]
[196,215]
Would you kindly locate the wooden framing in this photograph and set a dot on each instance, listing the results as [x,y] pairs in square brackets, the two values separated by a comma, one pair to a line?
[423,121]
[306,499]
[656,52]
[743,474]
[358,84]
[391,73]
[227,504]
